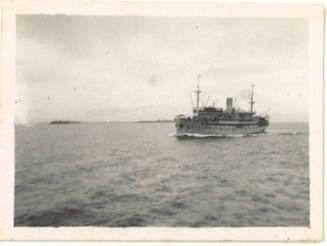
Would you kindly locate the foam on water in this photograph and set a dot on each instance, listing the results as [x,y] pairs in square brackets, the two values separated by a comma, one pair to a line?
[267,132]
[198,135]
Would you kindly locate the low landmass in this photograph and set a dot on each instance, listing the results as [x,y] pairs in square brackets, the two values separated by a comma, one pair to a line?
[64,122]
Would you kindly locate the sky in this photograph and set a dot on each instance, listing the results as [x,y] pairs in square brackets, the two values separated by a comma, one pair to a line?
[130,68]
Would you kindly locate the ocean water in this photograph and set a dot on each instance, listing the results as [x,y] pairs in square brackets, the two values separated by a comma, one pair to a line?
[140,174]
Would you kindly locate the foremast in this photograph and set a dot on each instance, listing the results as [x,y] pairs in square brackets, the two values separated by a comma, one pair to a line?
[198,91]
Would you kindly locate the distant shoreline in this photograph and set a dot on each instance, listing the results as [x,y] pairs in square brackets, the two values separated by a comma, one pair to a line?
[155,121]
[141,121]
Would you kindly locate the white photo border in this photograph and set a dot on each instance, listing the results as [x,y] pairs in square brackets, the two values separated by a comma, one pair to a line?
[314,13]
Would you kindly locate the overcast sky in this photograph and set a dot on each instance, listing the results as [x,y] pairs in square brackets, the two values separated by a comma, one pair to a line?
[144,68]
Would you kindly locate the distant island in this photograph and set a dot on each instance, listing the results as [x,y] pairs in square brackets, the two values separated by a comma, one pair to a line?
[155,121]
[64,122]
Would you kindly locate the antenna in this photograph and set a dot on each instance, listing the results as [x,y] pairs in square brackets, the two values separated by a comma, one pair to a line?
[252,102]
[207,101]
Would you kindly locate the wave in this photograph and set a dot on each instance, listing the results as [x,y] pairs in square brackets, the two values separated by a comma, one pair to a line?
[53,217]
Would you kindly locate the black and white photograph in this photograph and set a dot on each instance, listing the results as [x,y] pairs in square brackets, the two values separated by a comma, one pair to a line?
[135,121]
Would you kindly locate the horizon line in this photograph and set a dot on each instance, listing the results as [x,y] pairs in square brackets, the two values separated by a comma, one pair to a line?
[131,121]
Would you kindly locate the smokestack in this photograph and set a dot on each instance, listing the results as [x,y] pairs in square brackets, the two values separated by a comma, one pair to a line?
[229,104]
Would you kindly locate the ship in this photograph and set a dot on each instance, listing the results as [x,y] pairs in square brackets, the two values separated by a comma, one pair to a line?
[215,121]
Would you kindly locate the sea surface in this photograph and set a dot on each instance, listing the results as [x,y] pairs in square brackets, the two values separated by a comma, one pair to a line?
[140,174]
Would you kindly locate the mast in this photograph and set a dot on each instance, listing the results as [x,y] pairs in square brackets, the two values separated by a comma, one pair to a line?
[198,96]
[252,102]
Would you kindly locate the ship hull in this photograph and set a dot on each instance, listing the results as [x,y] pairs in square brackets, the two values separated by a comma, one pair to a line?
[190,127]
[220,131]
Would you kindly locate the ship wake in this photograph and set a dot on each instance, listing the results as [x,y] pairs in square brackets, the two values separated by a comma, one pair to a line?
[283,132]
[266,133]
[197,135]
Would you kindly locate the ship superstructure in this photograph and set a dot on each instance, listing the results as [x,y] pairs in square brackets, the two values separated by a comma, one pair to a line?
[211,120]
